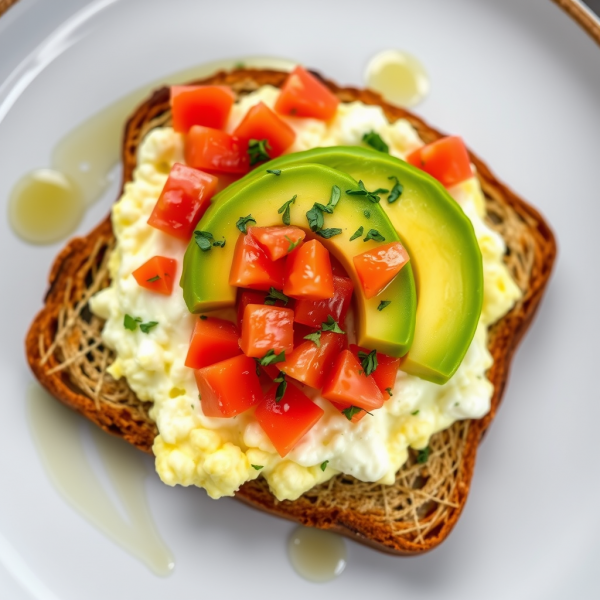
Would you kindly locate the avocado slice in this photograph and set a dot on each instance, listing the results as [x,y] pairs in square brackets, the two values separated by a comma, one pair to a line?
[445,256]
[205,274]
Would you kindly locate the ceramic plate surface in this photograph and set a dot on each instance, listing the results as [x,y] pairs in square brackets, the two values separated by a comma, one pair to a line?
[520,82]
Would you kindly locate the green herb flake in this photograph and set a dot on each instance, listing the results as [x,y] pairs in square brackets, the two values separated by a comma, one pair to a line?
[275,172]
[314,337]
[242,223]
[285,209]
[351,411]
[396,190]
[315,218]
[362,191]
[293,244]
[336,194]
[204,240]
[414,413]
[220,243]
[258,151]
[130,322]
[358,233]
[423,455]
[374,140]
[331,325]
[203,317]
[373,234]
[368,360]
[153,279]
[281,388]
[275,295]
[324,465]
[367,213]
[258,371]
[389,391]
[270,358]
[257,467]
[383,304]
[146,327]
[329,233]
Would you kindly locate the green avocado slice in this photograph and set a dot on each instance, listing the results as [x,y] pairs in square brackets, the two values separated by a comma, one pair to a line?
[445,256]
[205,274]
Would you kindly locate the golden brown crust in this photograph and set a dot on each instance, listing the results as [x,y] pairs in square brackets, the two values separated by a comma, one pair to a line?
[410,517]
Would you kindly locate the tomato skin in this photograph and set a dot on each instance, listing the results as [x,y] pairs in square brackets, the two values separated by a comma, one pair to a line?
[229,387]
[346,386]
[315,312]
[303,95]
[310,364]
[183,200]
[446,159]
[376,268]
[158,266]
[386,371]
[212,341]
[276,241]
[287,421]
[261,123]
[206,105]
[308,272]
[252,268]
[215,151]
[267,328]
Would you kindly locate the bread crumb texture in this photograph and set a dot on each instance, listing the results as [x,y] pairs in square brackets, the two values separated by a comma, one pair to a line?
[219,455]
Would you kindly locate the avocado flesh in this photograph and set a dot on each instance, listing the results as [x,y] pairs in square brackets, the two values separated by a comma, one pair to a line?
[445,256]
[205,274]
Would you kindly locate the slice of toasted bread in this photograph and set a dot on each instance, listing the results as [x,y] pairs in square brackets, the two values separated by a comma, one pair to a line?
[415,514]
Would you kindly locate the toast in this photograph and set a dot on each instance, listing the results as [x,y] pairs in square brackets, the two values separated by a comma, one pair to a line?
[66,354]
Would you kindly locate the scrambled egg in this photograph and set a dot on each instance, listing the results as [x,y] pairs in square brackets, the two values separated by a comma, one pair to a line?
[219,454]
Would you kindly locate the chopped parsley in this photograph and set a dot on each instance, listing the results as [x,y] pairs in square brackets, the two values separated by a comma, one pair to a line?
[367,213]
[414,413]
[324,465]
[204,240]
[280,392]
[314,337]
[203,317]
[374,140]
[373,234]
[257,467]
[315,218]
[275,295]
[351,411]
[153,279]
[130,322]
[389,391]
[383,304]
[331,325]
[368,360]
[396,190]
[362,191]
[146,327]
[423,455]
[329,233]
[293,244]
[285,209]
[257,151]
[242,223]
[270,358]
[275,172]
[219,243]
[358,233]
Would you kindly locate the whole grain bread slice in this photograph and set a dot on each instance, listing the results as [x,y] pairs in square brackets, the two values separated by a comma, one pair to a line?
[65,352]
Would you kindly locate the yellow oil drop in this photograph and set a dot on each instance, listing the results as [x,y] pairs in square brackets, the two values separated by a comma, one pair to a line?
[317,555]
[45,206]
[399,77]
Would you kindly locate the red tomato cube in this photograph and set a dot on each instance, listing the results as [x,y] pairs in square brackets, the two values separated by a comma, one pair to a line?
[287,421]
[277,242]
[315,312]
[213,340]
[261,123]
[347,384]
[183,201]
[215,151]
[377,267]
[206,105]
[267,328]
[157,274]
[229,387]
[386,371]
[248,297]
[310,363]
[252,268]
[446,159]
[308,272]
[303,95]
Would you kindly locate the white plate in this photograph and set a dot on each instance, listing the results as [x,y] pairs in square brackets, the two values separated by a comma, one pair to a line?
[520,82]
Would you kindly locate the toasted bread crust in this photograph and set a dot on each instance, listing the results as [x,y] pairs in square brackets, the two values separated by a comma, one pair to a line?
[333,505]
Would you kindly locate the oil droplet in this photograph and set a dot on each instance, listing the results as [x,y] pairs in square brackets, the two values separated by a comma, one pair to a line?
[58,434]
[317,555]
[398,76]
[45,206]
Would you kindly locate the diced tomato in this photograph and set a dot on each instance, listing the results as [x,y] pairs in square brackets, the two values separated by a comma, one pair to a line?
[252,268]
[302,330]
[303,95]
[183,201]
[386,371]
[213,340]
[229,387]
[376,268]
[315,312]
[336,265]
[206,105]
[308,272]
[277,242]
[267,328]
[157,274]
[261,123]
[215,151]
[446,159]
[287,421]
[248,297]
[347,384]
[356,417]
[310,363]
[271,371]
